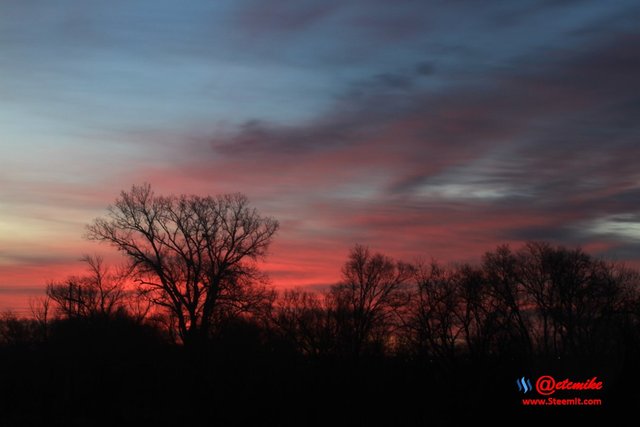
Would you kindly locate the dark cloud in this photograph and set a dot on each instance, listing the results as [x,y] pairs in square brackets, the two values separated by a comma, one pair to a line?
[425,68]
[553,233]
[261,139]
[284,17]
[394,81]
[624,252]
[538,153]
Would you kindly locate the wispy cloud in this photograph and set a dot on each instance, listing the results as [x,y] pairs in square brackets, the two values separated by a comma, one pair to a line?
[421,129]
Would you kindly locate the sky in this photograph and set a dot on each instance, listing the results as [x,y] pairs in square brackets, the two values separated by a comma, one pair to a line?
[423,129]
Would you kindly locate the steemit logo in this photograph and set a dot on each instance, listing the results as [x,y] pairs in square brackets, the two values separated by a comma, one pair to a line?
[524,385]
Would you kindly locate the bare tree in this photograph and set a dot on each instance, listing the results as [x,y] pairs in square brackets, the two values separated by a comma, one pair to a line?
[303,318]
[189,253]
[365,302]
[577,298]
[434,322]
[502,275]
[40,311]
[101,293]
[477,311]
[18,331]
[139,306]
[249,299]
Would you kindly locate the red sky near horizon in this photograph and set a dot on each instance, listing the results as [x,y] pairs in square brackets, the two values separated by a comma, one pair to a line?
[417,129]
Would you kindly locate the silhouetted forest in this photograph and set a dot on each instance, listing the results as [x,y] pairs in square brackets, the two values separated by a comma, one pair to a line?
[190,333]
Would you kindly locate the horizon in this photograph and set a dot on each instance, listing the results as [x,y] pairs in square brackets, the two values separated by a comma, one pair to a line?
[422,129]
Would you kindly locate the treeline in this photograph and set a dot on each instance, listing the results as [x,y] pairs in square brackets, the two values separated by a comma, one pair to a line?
[537,302]
[189,332]
[386,329]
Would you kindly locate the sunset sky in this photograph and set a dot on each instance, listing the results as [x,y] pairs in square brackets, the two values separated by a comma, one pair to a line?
[420,128]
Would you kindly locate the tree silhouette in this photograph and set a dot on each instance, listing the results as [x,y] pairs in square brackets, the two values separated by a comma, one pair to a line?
[191,255]
[16,331]
[100,294]
[577,298]
[40,308]
[433,320]
[304,319]
[476,312]
[387,329]
[501,274]
[373,286]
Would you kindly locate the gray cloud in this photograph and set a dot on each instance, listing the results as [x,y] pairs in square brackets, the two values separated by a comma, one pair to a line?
[532,154]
